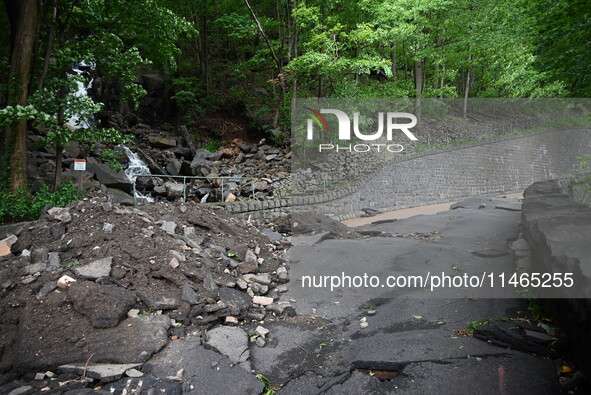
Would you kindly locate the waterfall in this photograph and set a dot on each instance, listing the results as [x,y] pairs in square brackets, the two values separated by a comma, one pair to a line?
[135,168]
[81,91]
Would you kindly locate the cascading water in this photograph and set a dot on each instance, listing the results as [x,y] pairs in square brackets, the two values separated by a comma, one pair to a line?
[136,167]
[82,88]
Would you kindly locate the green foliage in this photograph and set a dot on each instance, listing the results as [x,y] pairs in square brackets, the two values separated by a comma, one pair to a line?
[212,145]
[269,389]
[192,102]
[23,207]
[112,157]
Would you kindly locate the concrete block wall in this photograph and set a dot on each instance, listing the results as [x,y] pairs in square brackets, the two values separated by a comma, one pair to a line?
[501,166]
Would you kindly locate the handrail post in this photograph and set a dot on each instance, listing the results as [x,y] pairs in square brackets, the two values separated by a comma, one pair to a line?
[222,178]
[184,189]
[134,193]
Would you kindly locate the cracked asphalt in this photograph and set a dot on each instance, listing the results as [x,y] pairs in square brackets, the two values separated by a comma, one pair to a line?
[421,333]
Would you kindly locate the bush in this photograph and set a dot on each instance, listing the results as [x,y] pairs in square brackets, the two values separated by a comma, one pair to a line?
[212,145]
[24,207]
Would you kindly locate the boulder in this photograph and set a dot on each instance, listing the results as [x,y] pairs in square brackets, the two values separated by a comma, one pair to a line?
[173,166]
[108,177]
[120,197]
[174,191]
[161,142]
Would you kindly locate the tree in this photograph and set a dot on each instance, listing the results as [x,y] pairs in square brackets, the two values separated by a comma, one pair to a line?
[117,37]
[24,19]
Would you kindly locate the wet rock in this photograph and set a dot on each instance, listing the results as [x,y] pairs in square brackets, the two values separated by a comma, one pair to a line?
[105,305]
[95,269]
[59,214]
[102,372]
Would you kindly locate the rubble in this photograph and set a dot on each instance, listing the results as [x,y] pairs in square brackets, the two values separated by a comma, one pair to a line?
[121,283]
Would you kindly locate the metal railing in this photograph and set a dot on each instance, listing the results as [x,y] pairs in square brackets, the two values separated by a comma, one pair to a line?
[222,178]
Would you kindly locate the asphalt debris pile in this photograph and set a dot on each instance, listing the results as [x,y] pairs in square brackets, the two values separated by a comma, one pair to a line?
[97,283]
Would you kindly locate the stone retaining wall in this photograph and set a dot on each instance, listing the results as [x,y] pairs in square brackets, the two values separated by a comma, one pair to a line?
[500,166]
[558,231]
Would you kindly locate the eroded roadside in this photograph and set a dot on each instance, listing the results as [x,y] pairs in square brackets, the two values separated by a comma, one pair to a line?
[195,301]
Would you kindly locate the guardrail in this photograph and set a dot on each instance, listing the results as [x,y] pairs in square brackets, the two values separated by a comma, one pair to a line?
[222,178]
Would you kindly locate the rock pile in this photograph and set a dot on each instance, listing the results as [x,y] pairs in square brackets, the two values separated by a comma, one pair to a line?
[101,282]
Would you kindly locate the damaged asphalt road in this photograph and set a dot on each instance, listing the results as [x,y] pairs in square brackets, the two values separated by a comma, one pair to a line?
[357,340]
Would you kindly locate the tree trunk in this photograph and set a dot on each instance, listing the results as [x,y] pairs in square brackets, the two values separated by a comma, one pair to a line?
[394,69]
[24,18]
[467,86]
[49,44]
[59,147]
[419,84]
[204,46]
